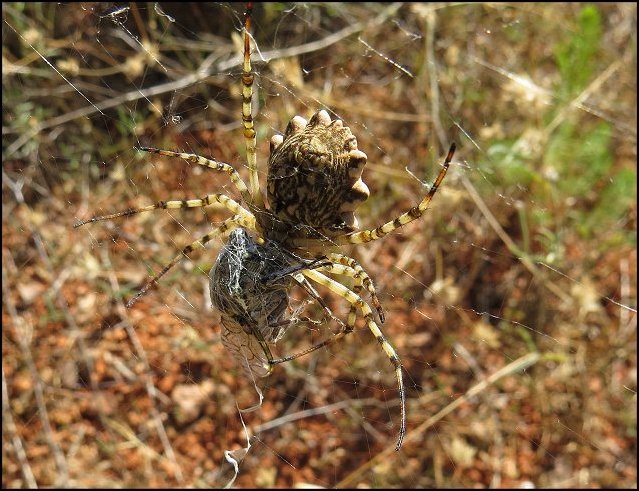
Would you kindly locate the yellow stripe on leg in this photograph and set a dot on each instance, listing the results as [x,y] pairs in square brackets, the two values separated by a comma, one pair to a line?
[360,274]
[222,199]
[247,115]
[210,163]
[411,215]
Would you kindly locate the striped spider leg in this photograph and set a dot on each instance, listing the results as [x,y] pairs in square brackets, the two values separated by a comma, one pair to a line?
[348,266]
[251,197]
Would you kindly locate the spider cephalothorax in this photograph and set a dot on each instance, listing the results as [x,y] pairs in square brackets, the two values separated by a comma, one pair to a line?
[315,176]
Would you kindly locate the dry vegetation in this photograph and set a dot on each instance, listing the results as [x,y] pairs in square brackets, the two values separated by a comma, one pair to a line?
[512,304]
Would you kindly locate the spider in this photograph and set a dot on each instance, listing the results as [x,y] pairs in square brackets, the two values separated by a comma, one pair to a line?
[314,186]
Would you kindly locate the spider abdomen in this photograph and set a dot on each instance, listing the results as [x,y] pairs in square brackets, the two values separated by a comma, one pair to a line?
[314,175]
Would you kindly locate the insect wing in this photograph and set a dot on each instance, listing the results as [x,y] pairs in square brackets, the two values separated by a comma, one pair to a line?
[246,349]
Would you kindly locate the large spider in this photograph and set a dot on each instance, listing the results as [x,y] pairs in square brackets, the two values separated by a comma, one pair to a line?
[313,188]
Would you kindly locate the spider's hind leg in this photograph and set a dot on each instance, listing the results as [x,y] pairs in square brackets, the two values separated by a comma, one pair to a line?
[227,225]
[356,301]
[357,272]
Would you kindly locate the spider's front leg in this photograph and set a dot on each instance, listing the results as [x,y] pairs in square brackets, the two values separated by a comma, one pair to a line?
[210,163]
[207,200]
[413,214]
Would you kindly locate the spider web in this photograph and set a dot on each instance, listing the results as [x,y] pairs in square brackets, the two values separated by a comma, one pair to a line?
[512,302]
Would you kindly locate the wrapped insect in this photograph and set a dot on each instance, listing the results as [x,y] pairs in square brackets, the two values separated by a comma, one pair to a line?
[250,285]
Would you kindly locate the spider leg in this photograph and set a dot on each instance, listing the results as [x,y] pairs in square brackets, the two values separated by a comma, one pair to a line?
[317,263]
[227,225]
[303,282]
[327,342]
[344,330]
[210,163]
[356,271]
[222,199]
[413,214]
[252,349]
[247,114]
[352,313]
[356,301]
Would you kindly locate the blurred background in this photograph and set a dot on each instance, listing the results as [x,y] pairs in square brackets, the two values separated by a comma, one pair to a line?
[512,302]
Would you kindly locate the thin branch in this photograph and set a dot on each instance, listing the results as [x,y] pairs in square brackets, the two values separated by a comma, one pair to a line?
[510,244]
[309,413]
[416,435]
[205,70]
[9,424]
[22,333]
[141,354]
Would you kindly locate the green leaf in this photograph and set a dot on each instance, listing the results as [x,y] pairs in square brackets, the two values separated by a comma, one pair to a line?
[576,56]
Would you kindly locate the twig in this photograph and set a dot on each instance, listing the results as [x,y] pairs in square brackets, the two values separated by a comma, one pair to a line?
[510,244]
[578,102]
[431,69]
[9,424]
[205,70]
[141,354]
[74,331]
[22,335]
[627,316]
[309,413]
[520,364]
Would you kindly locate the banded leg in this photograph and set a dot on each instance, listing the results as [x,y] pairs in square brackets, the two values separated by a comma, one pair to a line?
[227,225]
[312,292]
[210,163]
[222,199]
[350,272]
[293,272]
[413,214]
[359,274]
[366,311]
[352,315]
[322,344]
[351,268]
[252,350]
[344,330]
[247,114]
